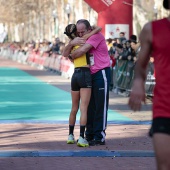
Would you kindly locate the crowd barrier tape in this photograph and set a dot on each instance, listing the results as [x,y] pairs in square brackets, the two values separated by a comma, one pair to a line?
[123,72]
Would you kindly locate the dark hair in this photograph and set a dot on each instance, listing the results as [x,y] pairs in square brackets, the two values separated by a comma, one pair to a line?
[85,22]
[109,40]
[121,39]
[133,38]
[124,41]
[128,41]
[70,31]
[119,46]
[166,4]
[133,41]
[114,44]
[122,33]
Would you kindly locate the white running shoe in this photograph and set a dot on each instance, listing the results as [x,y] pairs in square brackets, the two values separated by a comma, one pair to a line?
[82,142]
[70,139]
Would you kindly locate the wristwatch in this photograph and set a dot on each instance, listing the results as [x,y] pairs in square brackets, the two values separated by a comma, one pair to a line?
[70,57]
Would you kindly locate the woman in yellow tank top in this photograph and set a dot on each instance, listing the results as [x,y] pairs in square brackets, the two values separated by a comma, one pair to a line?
[80,88]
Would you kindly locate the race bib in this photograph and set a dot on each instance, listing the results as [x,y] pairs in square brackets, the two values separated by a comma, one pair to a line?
[91,59]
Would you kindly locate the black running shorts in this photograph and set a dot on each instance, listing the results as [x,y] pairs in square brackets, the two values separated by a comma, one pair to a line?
[160,125]
[81,79]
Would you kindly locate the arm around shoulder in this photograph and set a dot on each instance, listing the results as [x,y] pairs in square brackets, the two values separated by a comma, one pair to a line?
[76,41]
[81,50]
[94,31]
[67,50]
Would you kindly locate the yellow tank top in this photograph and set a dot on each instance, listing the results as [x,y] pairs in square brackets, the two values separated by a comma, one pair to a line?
[80,61]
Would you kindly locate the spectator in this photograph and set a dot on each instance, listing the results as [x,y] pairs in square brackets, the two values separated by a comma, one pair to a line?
[122,54]
[54,47]
[122,35]
[37,46]
[112,60]
[109,43]
[133,38]
[124,45]
[128,46]
[136,48]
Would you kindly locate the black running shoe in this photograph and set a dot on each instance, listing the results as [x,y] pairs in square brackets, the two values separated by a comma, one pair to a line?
[96,142]
[89,138]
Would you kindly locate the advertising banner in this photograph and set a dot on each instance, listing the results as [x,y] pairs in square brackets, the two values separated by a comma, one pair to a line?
[113,30]
[113,15]
[99,5]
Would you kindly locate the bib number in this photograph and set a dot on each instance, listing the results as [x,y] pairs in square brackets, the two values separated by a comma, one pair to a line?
[91,59]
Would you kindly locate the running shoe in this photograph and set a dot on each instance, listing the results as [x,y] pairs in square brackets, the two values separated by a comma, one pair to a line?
[82,142]
[96,142]
[70,139]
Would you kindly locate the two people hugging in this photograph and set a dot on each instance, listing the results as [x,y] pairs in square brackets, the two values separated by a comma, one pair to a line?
[87,49]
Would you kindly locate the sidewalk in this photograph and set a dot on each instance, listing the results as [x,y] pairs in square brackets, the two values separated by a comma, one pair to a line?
[42,146]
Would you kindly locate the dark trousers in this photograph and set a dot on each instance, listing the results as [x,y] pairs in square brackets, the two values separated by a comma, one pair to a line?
[111,79]
[98,106]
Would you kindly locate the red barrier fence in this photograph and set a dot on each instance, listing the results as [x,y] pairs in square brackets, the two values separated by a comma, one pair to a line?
[53,62]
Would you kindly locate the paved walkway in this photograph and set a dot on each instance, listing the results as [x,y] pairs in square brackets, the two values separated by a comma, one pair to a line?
[31,143]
